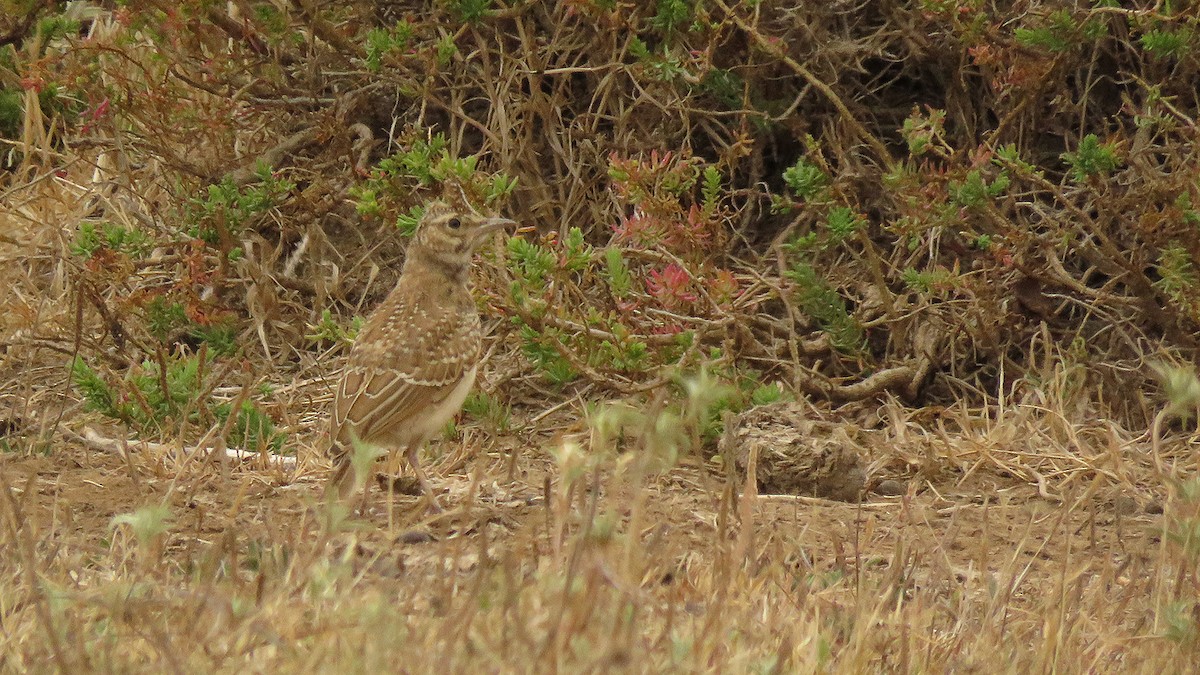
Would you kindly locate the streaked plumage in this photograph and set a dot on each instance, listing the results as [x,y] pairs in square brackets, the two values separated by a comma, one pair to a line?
[416,358]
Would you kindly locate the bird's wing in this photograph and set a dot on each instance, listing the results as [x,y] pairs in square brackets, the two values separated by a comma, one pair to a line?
[395,372]
[370,402]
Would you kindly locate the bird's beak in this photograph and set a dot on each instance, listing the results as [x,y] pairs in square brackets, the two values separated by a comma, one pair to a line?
[493,224]
[489,227]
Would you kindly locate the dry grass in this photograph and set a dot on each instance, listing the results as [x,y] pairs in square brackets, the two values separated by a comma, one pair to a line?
[573,568]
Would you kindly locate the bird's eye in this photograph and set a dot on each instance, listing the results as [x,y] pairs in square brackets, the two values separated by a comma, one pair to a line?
[454,223]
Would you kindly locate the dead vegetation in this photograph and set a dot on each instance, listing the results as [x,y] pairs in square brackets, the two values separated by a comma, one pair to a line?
[939,255]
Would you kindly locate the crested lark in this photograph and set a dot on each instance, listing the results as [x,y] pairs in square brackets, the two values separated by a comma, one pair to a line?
[415,360]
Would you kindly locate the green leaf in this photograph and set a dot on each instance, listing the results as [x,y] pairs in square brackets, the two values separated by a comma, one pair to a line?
[806,179]
[1093,158]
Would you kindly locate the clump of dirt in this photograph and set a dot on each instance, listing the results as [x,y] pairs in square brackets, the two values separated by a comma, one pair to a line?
[796,455]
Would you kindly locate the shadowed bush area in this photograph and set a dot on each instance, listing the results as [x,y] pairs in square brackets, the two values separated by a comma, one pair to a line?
[919,198]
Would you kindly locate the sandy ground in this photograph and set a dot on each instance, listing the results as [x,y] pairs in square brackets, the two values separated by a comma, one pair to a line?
[982,524]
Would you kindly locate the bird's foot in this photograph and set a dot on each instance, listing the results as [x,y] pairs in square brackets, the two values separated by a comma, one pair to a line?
[400,485]
[412,487]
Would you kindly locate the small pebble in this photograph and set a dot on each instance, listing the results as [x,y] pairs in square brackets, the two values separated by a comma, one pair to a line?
[415,537]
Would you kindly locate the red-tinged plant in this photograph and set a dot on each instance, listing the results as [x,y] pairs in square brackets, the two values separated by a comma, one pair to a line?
[666,211]
[642,229]
[671,287]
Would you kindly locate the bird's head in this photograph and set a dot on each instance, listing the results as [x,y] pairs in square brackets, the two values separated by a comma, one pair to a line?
[448,236]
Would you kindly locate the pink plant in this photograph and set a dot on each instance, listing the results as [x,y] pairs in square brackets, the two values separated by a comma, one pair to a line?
[660,187]
[642,229]
[671,287]
[682,233]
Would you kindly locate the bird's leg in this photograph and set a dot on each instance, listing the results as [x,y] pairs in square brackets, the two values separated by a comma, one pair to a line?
[338,487]
[366,489]
[426,487]
[388,483]
[342,483]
